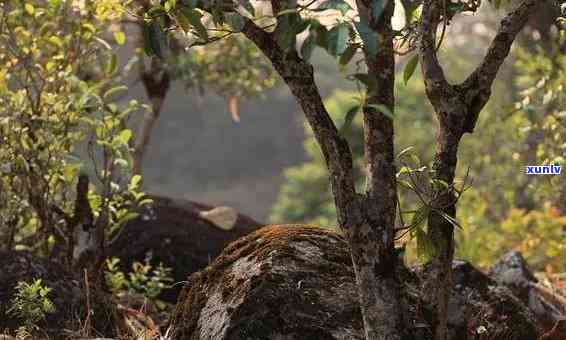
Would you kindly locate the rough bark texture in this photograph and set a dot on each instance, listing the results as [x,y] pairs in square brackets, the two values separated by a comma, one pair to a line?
[297,282]
[457,108]
[512,271]
[366,223]
[380,201]
[175,233]
[67,294]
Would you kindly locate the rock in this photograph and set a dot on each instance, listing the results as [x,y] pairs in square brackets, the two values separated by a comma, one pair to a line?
[296,282]
[179,233]
[67,295]
[512,271]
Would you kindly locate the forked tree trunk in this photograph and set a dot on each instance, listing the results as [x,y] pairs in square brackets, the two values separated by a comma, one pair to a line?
[367,220]
[457,108]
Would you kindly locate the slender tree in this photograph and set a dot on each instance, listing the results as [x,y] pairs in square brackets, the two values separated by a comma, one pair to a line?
[457,108]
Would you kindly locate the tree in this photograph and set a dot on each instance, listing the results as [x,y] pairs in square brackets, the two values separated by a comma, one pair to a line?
[368,219]
[57,92]
[457,109]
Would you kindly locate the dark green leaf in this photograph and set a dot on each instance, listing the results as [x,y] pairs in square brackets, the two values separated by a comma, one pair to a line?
[350,115]
[377,7]
[288,26]
[320,32]
[155,40]
[368,37]
[410,68]
[156,11]
[367,80]
[235,21]
[248,7]
[183,22]
[285,38]
[308,47]
[419,217]
[147,40]
[339,5]
[425,247]
[348,54]
[337,39]
[194,18]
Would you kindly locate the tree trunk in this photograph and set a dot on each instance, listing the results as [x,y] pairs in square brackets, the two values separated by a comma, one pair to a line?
[380,201]
[368,233]
[457,108]
[441,231]
[156,82]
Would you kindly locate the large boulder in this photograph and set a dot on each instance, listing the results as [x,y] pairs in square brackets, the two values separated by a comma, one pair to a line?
[184,235]
[67,294]
[297,282]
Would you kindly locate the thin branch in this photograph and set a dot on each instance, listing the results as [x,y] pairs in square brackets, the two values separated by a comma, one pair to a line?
[298,74]
[478,84]
[433,73]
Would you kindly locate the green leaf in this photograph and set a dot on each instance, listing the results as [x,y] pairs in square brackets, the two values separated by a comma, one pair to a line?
[285,38]
[450,219]
[339,5]
[248,7]
[425,247]
[120,37]
[410,68]
[337,39]
[348,54]
[405,151]
[367,80]
[112,65]
[29,8]
[123,137]
[377,7]
[236,21]
[320,33]
[183,22]
[155,40]
[114,90]
[193,16]
[368,36]
[419,217]
[135,181]
[350,115]
[383,109]
[288,26]
[308,47]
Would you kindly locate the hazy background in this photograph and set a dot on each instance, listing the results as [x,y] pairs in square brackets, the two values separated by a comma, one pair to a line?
[199,153]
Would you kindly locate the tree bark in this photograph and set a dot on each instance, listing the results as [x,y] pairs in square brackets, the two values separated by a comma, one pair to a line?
[380,201]
[368,235]
[156,82]
[457,108]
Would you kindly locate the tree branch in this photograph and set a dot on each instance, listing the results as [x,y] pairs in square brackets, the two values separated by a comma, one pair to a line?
[477,87]
[433,74]
[298,74]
